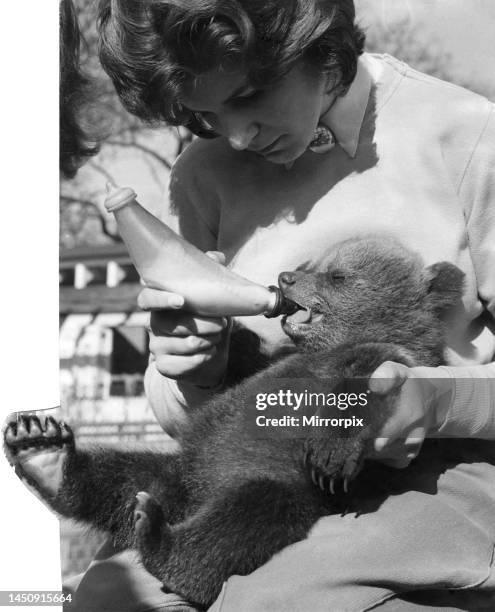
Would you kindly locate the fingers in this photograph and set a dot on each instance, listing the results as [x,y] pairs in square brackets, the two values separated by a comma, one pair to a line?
[180,345]
[401,436]
[415,439]
[185,346]
[388,376]
[396,455]
[403,429]
[167,319]
[399,452]
[156,299]
[179,366]
[169,323]
[188,348]
[177,357]
[216,256]
[390,447]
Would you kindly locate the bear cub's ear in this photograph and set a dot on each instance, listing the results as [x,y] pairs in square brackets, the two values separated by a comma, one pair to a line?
[445,286]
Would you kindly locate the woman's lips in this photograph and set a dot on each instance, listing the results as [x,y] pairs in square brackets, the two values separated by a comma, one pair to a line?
[269,148]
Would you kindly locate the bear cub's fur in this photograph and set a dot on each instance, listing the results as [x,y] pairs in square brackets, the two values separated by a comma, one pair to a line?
[233,497]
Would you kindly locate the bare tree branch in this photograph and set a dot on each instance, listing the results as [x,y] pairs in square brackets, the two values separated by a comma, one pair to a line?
[99,168]
[67,199]
[145,149]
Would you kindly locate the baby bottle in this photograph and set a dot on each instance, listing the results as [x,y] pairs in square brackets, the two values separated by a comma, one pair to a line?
[165,260]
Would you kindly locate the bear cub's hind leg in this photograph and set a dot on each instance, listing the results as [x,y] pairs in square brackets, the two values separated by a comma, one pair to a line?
[148,518]
[152,532]
[38,451]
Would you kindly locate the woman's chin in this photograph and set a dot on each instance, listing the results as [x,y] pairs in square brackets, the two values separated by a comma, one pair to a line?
[283,156]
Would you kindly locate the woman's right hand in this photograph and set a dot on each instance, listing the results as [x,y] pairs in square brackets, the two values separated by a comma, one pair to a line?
[186,347]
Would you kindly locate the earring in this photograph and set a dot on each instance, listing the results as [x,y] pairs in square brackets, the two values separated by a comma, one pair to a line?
[323,140]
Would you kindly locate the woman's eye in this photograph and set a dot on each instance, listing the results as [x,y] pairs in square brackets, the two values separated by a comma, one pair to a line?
[207,120]
[247,95]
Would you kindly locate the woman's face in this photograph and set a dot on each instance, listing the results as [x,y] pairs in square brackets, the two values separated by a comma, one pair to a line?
[277,123]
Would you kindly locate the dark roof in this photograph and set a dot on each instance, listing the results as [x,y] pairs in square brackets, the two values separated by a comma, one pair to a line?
[95,299]
[95,255]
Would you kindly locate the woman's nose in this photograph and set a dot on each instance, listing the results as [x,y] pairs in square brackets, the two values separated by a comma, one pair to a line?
[241,136]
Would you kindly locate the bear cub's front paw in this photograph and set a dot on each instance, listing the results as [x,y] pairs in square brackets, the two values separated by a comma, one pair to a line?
[332,461]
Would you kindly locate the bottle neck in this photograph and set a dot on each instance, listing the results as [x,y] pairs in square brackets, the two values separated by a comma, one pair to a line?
[279,305]
[119,197]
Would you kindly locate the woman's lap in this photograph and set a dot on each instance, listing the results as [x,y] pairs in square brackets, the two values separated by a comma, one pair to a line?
[117,582]
[438,533]
[437,537]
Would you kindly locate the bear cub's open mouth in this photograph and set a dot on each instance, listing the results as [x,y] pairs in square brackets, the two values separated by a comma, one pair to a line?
[303,316]
[300,318]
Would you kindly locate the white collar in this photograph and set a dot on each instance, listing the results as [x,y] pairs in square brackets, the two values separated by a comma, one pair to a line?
[346,115]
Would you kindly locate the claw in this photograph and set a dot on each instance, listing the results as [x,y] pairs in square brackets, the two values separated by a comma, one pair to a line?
[346,485]
[331,486]
[10,434]
[321,482]
[313,476]
[65,431]
[51,427]
[35,427]
[22,431]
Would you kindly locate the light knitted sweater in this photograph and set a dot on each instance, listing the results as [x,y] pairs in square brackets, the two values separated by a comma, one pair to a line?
[415,158]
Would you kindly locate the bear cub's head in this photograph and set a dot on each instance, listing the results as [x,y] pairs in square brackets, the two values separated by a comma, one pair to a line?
[370,289]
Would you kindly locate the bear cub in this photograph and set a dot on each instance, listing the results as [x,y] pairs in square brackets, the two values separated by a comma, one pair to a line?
[232,497]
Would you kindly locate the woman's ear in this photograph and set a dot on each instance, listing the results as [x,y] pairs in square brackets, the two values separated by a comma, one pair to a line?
[445,285]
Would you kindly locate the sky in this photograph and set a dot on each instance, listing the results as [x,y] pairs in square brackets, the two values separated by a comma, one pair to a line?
[464,28]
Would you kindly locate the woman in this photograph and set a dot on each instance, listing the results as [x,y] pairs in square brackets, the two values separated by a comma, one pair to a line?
[306,141]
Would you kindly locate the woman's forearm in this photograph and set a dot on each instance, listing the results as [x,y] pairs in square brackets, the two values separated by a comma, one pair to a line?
[172,401]
[463,399]
[471,412]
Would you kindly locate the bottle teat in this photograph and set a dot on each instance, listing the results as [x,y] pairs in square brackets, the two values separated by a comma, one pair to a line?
[118,196]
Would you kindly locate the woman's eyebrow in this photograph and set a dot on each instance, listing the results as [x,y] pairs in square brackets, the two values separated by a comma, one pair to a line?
[242,89]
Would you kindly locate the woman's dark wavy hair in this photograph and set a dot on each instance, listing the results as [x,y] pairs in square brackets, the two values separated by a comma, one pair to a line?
[75,143]
[152,49]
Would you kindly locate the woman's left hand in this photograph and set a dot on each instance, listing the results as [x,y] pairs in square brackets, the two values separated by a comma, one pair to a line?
[424,398]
